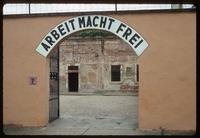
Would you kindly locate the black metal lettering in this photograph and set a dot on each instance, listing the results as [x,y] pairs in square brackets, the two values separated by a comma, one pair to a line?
[127,33]
[110,24]
[67,27]
[81,22]
[89,22]
[46,47]
[139,43]
[55,34]
[49,40]
[120,27]
[94,21]
[103,22]
[133,38]
[61,29]
[72,24]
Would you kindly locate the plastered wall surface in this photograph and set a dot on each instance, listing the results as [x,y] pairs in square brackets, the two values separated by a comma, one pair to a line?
[167,92]
[168,73]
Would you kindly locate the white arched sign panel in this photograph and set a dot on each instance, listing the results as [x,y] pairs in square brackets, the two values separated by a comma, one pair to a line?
[100,22]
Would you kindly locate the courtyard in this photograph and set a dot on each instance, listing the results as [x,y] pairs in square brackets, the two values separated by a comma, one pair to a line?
[93,115]
[89,115]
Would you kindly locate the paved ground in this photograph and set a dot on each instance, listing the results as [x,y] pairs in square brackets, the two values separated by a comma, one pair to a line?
[92,115]
[100,106]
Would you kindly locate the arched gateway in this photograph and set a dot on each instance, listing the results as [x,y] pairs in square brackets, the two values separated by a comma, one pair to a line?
[120,29]
[106,23]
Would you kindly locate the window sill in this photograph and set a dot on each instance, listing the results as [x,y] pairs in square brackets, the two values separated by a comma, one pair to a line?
[115,82]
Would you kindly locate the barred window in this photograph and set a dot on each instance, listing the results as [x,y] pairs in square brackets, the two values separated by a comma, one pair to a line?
[115,73]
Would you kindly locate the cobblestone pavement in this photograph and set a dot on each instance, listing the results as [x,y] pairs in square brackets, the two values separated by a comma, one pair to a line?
[93,115]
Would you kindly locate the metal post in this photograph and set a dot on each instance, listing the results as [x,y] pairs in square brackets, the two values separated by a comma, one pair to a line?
[29,8]
[116,5]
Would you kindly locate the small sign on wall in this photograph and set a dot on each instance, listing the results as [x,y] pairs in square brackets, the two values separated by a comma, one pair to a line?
[32,80]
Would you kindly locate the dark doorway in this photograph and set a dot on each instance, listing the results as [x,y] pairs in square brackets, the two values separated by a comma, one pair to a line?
[54,85]
[73,78]
[115,73]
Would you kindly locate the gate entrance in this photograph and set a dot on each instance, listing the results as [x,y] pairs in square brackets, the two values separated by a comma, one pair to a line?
[54,85]
[73,78]
[47,48]
[93,73]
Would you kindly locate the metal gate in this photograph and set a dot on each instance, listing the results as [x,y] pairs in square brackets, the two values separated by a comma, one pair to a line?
[54,85]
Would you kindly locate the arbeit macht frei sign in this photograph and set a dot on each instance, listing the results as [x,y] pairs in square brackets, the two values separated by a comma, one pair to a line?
[100,22]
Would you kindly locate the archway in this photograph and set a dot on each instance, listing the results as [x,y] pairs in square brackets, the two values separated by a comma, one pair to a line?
[107,86]
[81,23]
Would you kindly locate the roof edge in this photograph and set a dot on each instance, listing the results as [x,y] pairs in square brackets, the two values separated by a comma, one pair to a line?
[99,13]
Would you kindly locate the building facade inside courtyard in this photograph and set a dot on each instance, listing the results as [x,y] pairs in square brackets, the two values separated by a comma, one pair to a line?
[98,63]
